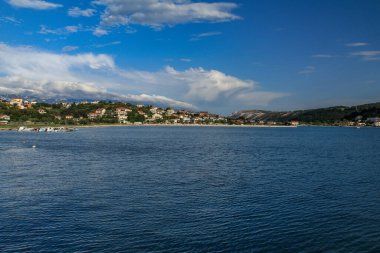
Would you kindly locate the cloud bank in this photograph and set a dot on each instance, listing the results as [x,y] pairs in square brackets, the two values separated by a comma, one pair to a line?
[77,12]
[34,4]
[29,71]
[159,13]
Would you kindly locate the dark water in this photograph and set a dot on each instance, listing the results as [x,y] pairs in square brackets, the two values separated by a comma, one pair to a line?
[167,189]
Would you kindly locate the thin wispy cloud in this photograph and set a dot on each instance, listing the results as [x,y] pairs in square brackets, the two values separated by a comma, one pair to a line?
[185,60]
[34,4]
[200,36]
[357,44]
[9,19]
[60,31]
[160,13]
[323,56]
[69,48]
[367,55]
[307,70]
[77,12]
[108,44]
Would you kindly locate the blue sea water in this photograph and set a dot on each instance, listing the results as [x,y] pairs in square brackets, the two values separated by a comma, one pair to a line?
[191,189]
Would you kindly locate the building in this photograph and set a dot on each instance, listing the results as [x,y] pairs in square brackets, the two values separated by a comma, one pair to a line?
[41,111]
[16,101]
[93,115]
[122,111]
[5,117]
[376,123]
[170,112]
[294,123]
[203,114]
[69,117]
[100,111]
[156,116]
[123,119]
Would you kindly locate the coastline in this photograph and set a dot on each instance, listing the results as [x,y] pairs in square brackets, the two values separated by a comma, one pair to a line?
[14,128]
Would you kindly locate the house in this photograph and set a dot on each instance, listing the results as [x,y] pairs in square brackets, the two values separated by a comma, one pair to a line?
[123,119]
[141,112]
[203,114]
[376,123]
[122,111]
[3,122]
[92,115]
[140,106]
[69,117]
[100,111]
[41,111]
[294,123]
[170,112]
[157,116]
[5,117]
[153,109]
[66,105]
[16,101]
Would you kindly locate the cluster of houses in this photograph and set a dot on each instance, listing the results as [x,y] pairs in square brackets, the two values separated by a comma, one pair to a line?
[156,114]
[149,114]
[21,103]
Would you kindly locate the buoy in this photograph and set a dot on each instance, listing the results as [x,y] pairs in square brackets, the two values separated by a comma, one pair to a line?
[34,146]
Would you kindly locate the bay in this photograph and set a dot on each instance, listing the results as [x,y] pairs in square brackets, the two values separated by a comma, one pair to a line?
[191,189]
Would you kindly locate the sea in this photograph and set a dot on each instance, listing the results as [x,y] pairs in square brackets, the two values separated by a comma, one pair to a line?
[191,189]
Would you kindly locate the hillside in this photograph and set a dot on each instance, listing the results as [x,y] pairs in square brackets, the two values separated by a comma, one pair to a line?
[322,115]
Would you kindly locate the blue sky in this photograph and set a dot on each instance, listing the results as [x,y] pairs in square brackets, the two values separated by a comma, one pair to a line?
[220,56]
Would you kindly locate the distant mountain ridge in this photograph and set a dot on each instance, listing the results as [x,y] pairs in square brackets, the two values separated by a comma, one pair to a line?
[328,115]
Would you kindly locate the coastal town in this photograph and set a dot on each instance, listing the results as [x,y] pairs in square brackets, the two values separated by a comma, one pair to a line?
[16,111]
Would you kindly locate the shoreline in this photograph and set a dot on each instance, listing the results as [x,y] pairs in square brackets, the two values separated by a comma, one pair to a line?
[15,128]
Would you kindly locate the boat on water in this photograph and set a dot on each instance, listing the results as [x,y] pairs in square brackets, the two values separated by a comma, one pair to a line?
[46,129]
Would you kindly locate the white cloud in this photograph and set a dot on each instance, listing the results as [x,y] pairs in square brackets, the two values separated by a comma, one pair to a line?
[26,70]
[72,28]
[185,60]
[100,32]
[201,36]
[107,44]
[33,64]
[307,70]
[16,84]
[325,56]
[357,44]
[368,55]
[9,19]
[34,4]
[154,99]
[210,88]
[159,13]
[60,31]
[69,48]
[208,85]
[77,12]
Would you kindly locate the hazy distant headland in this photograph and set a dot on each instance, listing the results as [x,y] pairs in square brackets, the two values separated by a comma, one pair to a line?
[18,111]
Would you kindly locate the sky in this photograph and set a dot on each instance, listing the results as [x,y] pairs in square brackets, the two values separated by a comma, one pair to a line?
[220,56]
